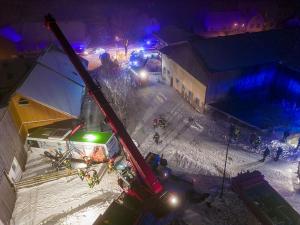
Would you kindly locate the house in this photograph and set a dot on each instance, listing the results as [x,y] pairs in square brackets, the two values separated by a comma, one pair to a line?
[35,90]
[172,35]
[204,71]
[222,23]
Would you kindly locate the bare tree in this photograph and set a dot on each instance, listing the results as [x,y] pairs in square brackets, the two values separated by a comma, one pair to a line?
[116,86]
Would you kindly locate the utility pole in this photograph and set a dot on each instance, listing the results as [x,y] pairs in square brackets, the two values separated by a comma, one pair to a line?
[234,134]
[224,172]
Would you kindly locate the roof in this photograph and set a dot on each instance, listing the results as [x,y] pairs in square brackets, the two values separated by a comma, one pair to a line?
[91,137]
[13,72]
[173,34]
[185,56]
[236,52]
[49,79]
[49,133]
[245,50]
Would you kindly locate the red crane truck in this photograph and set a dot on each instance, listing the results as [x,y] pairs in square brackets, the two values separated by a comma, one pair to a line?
[146,198]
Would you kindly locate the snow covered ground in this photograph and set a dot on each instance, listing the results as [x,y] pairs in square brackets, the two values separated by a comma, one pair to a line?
[194,148]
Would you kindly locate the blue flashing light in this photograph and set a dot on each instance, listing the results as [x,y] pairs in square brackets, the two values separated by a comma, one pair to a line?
[10,34]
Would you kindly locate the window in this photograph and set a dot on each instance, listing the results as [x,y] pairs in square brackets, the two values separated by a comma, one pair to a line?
[23,101]
[164,70]
[182,89]
[168,72]
[177,81]
[190,96]
[197,101]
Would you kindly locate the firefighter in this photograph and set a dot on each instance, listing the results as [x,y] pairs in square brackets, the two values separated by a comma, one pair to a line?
[110,165]
[278,153]
[285,135]
[298,171]
[90,180]
[234,132]
[298,145]
[257,142]
[162,122]
[96,179]
[81,173]
[155,123]
[156,138]
[266,153]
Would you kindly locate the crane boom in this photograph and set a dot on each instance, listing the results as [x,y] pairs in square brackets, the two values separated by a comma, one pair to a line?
[139,163]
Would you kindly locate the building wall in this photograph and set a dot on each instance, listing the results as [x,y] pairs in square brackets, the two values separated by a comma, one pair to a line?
[188,86]
[31,114]
[11,147]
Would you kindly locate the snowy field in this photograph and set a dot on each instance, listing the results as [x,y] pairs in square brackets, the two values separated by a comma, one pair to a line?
[194,148]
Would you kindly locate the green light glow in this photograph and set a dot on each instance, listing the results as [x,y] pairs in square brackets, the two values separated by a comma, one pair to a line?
[90,137]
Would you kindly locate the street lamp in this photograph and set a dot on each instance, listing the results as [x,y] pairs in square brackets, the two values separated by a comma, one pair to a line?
[234,133]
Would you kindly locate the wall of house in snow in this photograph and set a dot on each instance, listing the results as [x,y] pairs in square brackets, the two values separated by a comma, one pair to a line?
[29,114]
[244,83]
[11,149]
[188,86]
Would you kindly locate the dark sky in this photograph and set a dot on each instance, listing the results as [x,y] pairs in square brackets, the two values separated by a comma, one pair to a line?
[167,11]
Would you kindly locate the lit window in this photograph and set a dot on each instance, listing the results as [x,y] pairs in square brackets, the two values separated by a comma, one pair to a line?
[23,101]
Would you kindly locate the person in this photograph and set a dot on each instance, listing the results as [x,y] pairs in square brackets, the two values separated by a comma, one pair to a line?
[266,153]
[155,123]
[257,142]
[156,138]
[298,171]
[298,145]
[110,165]
[286,133]
[234,132]
[278,153]
[162,122]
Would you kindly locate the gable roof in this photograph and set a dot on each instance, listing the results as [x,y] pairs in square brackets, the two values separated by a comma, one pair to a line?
[185,56]
[13,72]
[172,34]
[235,52]
[245,50]
[49,79]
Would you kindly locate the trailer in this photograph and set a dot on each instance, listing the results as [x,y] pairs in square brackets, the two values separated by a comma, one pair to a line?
[269,207]
[99,146]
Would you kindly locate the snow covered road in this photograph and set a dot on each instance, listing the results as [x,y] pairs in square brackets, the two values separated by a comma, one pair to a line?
[194,148]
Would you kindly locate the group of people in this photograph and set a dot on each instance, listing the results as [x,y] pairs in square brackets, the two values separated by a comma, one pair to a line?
[158,122]
[267,152]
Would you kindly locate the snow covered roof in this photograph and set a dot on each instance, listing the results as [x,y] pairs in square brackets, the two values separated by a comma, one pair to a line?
[245,50]
[173,34]
[236,52]
[50,79]
[13,73]
[185,56]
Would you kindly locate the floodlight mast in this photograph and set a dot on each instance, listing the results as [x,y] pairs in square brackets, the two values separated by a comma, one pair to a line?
[142,168]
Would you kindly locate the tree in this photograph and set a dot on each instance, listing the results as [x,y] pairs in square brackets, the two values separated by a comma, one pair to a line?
[116,86]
